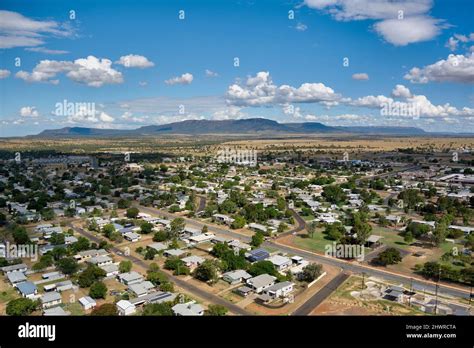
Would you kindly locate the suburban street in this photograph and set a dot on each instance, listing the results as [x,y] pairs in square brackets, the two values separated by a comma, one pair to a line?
[307,307]
[179,282]
[347,266]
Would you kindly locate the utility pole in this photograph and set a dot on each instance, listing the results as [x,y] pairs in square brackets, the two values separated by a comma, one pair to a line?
[437,284]
[363,280]
[470,296]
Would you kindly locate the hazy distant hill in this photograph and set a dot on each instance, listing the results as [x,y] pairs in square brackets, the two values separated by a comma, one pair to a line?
[246,126]
[384,130]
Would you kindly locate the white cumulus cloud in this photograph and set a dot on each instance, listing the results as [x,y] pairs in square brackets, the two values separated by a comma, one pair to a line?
[456,68]
[91,71]
[399,22]
[4,73]
[360,76]
[260,90]
[28,111]
[135,61]
[184,79]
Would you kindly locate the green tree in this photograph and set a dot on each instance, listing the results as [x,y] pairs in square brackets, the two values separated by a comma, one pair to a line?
[21,307]
[91,274]
[125,266]
[146,227]
[108,230]
[361,228]
[335,231]
[20,235]
[440,232]
[389,256]
[160,236]
[132,212]
[67,265]
[208,271]
[107,309]
[262,267]
[158,309]
[81,244]
[334,194]
[177,226]
[311,227]
[239,222]
[57,239]
[177,265]
[216,310]
[408,238]
[311,272]
[257,239]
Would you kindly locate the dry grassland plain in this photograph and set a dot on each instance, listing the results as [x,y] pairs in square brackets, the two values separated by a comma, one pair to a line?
[209,144]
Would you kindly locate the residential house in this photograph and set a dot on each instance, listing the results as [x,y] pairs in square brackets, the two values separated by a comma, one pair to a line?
[261,282]
[110,269]
[235,277]
[157,246]
[16,277]
[20,267]
[55,311]
[281,263]
[51,299]
[132,236]
[174,252]
[193,261]
[279,289]
[125,307]
[87,302]
[257,255]
[223,219]
[188,309]
[130,278]
[100,260]
[141,289]
[27,289]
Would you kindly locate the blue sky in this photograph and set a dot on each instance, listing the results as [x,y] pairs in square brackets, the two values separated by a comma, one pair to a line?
[137,63]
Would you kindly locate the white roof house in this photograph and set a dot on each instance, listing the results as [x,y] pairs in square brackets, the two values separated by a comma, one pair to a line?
[237,276]
[129,278]
[280,262]
[110,269]
[193,261]
[125,307]
[141,289]
[51,299]
[132,236]
[279,289]
[188,309]
[261,282]
[16,277]
[55,311]
[100,260]
[87,302]
[174,252]
[157,246]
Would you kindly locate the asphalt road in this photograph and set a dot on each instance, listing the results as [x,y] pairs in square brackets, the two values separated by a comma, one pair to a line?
[202,204]
[179,282]
[301,225]
[321,295]
[388,174]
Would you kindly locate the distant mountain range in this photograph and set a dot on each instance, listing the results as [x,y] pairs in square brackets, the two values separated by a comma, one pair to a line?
[251,126]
